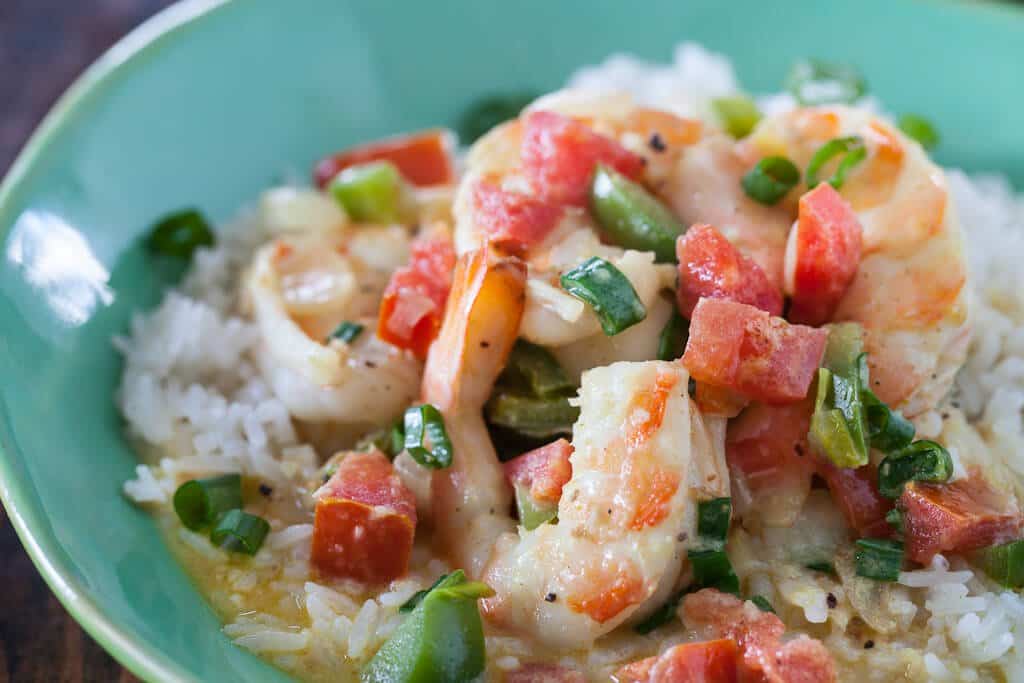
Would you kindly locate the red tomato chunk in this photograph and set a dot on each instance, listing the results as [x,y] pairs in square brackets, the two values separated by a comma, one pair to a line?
[413,303]
[544,673]
[710,661]
[365,521]
[855,492]
[822,255]
[964,515]
[747,350]
[559,155]
[710,266]
[422,158]
[512,220]
[544,470]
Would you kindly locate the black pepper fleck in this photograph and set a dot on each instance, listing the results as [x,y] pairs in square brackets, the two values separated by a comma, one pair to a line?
[868,644]
[656,143]
[370,364]
[799,449]
[681,537]
[831,601]
[485,344]
[550,597]
[265,490]
[609,511]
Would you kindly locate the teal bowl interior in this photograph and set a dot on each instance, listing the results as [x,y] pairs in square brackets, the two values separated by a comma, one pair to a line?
[209,103]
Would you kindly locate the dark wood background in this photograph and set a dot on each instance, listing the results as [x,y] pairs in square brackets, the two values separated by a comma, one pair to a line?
[44,44]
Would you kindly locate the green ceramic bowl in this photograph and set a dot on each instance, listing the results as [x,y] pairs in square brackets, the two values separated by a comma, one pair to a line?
[209,102]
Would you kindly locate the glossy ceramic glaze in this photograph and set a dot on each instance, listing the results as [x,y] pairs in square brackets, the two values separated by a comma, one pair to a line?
[209,102]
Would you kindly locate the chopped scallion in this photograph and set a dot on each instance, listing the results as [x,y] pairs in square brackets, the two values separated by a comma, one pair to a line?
[632,217]
[762,603]
[922,460]
[713,518]
[770,179]
[878,558]
[199,502]
[853,150]
[347,332]
[531,416]
[180,233]
[371,192]
[531,513]
[838,423]
[888,430]
[738,114]
[816,82]
[390,441]
[894,518]
[417,597]
[609,293]
[426,439]
[672,342]
[240,532]
[1004,563]
[712,569]
[823,567]
[920,129]
[538,369]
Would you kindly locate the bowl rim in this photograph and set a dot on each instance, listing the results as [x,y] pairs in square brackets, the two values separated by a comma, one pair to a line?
[135,653]
[132,651]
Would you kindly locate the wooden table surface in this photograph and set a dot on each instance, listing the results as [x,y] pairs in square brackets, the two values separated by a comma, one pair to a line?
[44,44]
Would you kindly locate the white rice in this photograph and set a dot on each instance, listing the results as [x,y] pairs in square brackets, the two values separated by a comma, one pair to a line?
[190,391]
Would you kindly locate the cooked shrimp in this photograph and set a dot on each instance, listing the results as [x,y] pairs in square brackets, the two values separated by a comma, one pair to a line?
[300,287]
[643,457]
[908,291]
[471,498]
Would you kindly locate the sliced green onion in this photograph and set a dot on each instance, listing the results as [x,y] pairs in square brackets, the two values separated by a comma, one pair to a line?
[770,179]
[390,441]
[712,569]
[713,518]
[199,502]
[838,424]
[1004,563]
[853,150]
[240,532]
[609,293]
[180,233]
[737,114]
[920,461]
[371,192]
[894,518]
[843,349]
[531,416]
[888,430]
[417,597]
[823,567]
[632,217]
[531,513]
[762,603]
[920,129]
[675,334]
[347,332]
[538,369]
[878,558]
[426,439]
[489,111]
[661,616]
[442,639]
[816,82]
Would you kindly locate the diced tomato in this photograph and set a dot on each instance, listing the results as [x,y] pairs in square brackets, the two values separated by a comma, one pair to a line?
[709,265]
[855,492]
[422,158]
[765,658]
[559,155]
[718,401]
[544,470]
[512,220]
[964,515]
[769,461]
[747,350]
[413,303]
[709,661]
[544,673]
[822,255]
[365,521]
